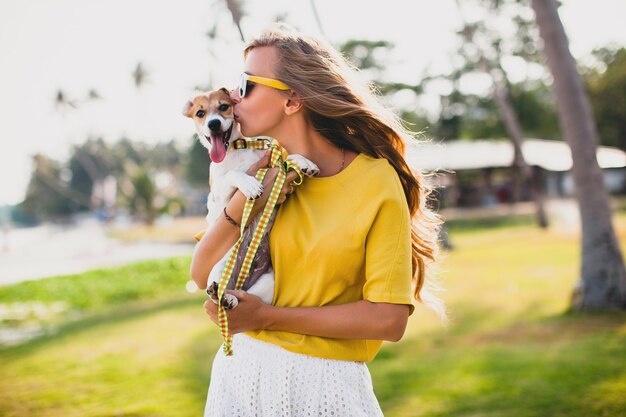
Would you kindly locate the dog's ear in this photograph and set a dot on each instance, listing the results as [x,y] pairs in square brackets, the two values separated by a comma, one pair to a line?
[187,109]
[225,91]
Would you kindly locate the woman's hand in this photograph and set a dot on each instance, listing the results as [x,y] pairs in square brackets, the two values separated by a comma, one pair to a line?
[248,315]
[268,183]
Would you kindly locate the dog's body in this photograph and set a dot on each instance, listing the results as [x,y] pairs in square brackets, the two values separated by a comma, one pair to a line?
[217,130]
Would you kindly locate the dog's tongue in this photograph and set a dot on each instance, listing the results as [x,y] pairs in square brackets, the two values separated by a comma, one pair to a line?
[218,150]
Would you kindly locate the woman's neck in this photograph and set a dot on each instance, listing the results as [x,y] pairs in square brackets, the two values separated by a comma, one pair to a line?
[307,142]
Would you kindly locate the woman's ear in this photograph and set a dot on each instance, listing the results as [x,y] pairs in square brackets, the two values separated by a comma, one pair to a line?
[293,103]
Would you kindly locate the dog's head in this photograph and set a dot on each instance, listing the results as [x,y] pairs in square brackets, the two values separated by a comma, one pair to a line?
[212,113]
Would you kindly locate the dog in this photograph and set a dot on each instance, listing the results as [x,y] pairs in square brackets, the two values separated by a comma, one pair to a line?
[217,130]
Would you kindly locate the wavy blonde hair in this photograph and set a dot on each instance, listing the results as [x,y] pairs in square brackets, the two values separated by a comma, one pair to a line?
[349,113]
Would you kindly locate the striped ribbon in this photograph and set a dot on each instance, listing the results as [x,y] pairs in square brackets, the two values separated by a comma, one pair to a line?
[276,160]
[261,142]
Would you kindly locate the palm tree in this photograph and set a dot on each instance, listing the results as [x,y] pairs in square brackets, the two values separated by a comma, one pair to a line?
[501,97]
[603,276]
[234,7]
[140,75]
[317,18]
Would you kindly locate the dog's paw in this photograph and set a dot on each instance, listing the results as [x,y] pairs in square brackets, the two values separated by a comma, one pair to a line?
[250,187]
[229,301]
[211,291]
[308,167]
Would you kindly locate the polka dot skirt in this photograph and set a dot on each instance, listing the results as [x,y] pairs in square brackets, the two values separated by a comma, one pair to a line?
[265,380]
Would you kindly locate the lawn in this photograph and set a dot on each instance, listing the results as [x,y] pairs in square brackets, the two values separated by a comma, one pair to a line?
[132,341]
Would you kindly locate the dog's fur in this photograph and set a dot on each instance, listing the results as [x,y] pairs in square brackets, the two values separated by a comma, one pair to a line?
[212,113]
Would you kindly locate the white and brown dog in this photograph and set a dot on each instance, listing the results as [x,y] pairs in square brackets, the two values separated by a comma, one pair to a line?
[217,130]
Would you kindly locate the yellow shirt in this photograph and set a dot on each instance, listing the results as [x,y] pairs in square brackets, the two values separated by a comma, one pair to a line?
[338,240]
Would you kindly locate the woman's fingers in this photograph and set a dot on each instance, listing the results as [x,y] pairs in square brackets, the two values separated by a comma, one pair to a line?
[211,309]
[291,176]
[246,316]
[288,186]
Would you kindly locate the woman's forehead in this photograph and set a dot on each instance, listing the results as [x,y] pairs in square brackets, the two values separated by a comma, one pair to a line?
[261,61]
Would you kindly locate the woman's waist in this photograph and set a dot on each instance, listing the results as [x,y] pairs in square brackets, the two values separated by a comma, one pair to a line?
[358,350]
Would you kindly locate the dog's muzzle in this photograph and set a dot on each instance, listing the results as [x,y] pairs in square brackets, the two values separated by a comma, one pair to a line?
[220,140]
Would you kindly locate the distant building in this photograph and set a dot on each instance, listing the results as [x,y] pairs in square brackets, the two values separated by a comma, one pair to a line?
[479,173]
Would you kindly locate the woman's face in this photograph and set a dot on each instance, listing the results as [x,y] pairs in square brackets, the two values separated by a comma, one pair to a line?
[260,112]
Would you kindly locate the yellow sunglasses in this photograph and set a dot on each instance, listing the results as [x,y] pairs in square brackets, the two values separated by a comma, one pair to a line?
[245,88]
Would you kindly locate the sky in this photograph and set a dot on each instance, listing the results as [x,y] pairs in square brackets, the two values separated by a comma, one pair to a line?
[76,46]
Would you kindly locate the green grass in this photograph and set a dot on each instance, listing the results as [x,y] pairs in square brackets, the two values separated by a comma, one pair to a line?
[105,288]
[143,346]
[493,222]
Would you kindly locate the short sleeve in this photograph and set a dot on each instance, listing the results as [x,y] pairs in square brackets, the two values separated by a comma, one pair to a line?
[388,271]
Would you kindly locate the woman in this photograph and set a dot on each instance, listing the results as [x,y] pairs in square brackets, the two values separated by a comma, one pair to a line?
[345,246]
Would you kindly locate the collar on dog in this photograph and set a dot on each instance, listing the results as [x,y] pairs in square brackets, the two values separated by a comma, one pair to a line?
[261,142]
[276,160]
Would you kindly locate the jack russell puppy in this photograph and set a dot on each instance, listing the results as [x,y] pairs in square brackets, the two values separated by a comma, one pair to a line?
[212,113]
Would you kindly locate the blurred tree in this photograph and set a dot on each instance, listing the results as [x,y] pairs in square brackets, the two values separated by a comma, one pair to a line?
[477,116]
[165,155]
[317,18]
[483,49]
[602,283]
[140,75]
[607,91]
[369,57]
[142,200]
[89,164]
[136,167]
[101,177]
[236,11]
[48,195]
[62,101]
[197,164]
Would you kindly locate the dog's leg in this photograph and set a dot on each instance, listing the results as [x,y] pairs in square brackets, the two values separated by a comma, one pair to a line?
[308,167]
[214,209]
[233,180]
[229,301]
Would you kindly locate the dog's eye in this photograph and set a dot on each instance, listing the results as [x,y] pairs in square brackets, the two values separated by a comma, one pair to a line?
[200,113]
[223,107]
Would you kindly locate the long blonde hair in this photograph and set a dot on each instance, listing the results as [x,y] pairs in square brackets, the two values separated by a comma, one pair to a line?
[350,114]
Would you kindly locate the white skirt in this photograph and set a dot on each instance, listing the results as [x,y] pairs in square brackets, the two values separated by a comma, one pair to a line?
[265,380]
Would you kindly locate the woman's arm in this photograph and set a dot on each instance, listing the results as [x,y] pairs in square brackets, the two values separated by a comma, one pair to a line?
[359,320]
[216,242]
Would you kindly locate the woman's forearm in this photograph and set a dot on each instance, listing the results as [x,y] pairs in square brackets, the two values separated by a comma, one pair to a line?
[359,320]
[210,249]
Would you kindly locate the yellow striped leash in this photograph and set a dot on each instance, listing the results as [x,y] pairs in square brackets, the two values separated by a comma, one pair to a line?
[276,160]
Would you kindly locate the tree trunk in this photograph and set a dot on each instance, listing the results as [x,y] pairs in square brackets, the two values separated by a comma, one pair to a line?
[603,276]
[317,18]
[234,7]
[512,125]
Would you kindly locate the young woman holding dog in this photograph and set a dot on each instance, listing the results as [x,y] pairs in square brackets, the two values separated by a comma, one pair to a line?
[349,247]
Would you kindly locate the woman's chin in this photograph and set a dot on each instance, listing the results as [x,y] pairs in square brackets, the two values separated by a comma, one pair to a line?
[249,133]
[244,130]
